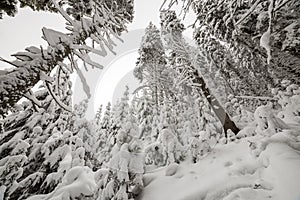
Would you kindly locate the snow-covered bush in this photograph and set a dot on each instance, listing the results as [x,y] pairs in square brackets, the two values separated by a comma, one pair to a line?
[267,121]
[199,146]
[172,150]
[246,132]
[231,137]
[126,169]
[242,109]
[154,154]
[289,100]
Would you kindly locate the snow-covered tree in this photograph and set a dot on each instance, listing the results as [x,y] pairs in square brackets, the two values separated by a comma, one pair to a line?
[101,146]
[126,168]
[258,38]
[155,125]
[122,108]
[181,58]
[98,115]
[144,109]
[8,7]
[86,131]
[118,116]
[172,150]
[151,67]
[81,108]
[11,7]
[106,117]
[114,132]
[35,146]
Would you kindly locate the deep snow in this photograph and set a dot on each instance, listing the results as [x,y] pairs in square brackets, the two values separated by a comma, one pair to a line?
[232,172]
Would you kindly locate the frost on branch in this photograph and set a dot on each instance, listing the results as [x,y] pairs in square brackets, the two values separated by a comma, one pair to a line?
[103,21]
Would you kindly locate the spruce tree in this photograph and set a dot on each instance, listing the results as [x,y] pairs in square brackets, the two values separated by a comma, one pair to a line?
[126,166]
[113,128]
[181,58]
[36,142]
[258,39]
[86,131]
[102,145]
[151,67]
[98,115]
[144,110]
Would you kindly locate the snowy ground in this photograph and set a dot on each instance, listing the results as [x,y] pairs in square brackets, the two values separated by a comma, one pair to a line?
[233,172]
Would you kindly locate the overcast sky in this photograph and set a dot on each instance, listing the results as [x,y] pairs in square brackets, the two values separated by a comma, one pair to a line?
[17,33]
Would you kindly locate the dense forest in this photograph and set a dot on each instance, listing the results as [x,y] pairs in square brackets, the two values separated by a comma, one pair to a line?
[216,120]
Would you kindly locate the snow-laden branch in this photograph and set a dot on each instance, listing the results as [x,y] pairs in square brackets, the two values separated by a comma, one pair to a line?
[62,12]
[30,96]
[248,12]
[87,59]
[265,38]
[105,22]
[57,99]
[281,5]
[86,87]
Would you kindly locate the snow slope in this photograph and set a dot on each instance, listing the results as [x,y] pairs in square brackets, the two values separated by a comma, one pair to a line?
[232,172]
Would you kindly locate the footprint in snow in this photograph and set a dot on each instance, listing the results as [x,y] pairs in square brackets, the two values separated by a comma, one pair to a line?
[171,169]
[228,164]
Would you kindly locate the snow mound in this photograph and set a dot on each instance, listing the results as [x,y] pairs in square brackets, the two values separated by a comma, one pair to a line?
[233,171]
[171,169]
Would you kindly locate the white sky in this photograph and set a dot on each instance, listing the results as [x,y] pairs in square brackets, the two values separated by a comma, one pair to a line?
[24,30]
[109,85]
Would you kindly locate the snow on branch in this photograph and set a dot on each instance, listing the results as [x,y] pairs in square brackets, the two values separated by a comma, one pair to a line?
[56,99]
[281,5]
[107,19]
[248,12]
[87,59]
[265,38]
[30,96]
[45,77]
[84,83]
[11,63]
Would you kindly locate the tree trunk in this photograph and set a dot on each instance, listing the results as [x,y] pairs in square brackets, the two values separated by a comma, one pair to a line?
[220,112]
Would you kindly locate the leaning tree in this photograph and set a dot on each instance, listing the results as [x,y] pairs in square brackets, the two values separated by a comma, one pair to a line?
[182,58]
[254,41]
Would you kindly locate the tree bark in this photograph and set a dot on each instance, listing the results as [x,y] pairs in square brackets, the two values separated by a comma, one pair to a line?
[220,112]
